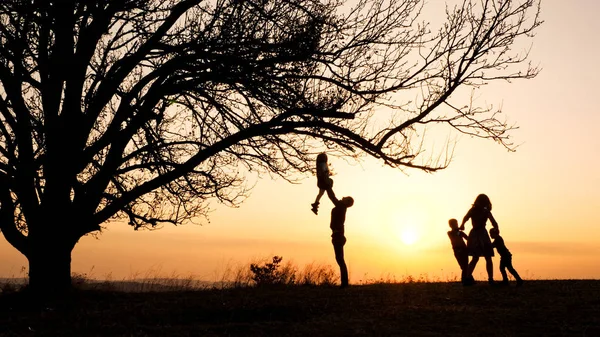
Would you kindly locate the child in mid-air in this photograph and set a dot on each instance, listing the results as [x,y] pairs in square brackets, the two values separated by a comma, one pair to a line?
[459,246]
[323,181]
[505,258]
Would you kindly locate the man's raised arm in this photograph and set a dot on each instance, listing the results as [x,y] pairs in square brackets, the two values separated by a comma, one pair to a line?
[332,196]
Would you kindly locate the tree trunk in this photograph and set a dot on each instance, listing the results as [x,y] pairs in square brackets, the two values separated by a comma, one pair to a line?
[50,267]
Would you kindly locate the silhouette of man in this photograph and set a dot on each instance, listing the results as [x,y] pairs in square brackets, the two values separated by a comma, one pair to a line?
[338,217]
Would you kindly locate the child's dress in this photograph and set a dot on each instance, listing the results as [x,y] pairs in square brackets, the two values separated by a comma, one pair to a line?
[479,242]
[323,180]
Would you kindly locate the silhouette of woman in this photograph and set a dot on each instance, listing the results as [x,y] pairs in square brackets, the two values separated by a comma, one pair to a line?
[478,242]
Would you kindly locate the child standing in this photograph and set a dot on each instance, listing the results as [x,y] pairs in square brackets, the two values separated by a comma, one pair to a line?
[505,258]
[323,181]
[459,246]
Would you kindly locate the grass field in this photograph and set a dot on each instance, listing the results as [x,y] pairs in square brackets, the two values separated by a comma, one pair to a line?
[539,308]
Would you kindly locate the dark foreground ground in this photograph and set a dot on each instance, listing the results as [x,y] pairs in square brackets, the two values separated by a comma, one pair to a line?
[539,308]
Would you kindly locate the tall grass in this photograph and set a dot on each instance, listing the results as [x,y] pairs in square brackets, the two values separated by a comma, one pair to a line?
[269,272]
[264,272]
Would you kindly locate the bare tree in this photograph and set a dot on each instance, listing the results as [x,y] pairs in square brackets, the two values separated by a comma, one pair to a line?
[144,110]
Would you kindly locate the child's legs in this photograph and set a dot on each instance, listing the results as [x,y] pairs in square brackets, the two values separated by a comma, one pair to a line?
[464,266]
[503,269]
[321,192]
[463,261]
[512,270]
[489,266]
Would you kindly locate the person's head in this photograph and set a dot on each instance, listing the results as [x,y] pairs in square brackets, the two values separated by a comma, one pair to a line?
[494,232]
[453,223]
[482,201]
[348,201]
[322,157]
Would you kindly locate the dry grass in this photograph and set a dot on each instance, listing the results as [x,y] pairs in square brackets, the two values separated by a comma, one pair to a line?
[241,276]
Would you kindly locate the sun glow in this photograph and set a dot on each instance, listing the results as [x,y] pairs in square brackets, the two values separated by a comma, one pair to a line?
[407,226]
[409,235]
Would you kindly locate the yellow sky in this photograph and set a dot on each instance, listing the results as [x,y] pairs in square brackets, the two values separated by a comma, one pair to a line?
[545,196]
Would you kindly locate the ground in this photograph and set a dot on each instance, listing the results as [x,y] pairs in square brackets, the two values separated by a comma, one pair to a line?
[539,308]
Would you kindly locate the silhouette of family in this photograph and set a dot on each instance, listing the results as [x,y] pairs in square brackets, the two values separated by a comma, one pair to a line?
[478,242]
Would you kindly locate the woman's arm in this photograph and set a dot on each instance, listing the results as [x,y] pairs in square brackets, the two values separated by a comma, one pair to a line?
[494,223]
[467,216]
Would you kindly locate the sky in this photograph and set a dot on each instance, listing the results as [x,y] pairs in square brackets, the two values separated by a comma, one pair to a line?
[545,196]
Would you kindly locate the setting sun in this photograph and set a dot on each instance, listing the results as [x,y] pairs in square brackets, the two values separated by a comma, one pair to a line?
[409,235]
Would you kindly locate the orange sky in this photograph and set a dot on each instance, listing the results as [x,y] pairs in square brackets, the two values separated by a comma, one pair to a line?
[545,196]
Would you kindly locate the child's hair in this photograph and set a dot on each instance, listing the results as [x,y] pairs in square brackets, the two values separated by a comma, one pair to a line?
[482,201]
[453,223]
[321,157]
[494,231]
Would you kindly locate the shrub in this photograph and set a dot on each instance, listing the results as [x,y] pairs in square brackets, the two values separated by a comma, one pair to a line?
[270,273]
[9,288]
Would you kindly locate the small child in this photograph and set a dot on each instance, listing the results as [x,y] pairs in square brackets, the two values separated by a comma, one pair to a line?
[459,246]
[505,258]
[323,181]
